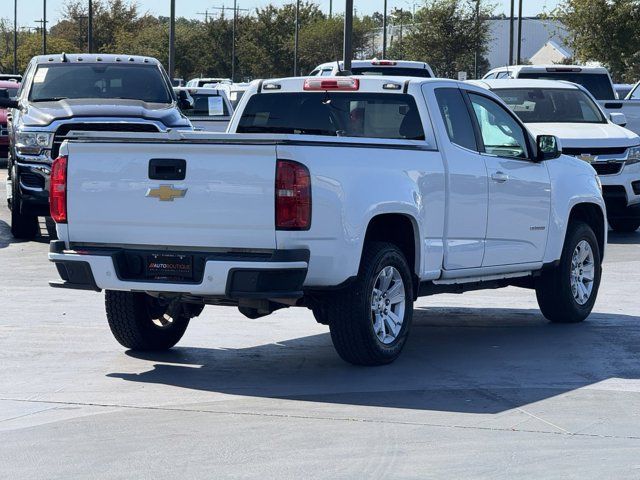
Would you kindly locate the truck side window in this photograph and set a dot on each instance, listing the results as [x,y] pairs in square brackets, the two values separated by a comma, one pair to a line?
[502,135]
[456,117]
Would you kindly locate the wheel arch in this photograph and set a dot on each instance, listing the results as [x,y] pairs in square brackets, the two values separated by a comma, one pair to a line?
[593,215]
[402,230]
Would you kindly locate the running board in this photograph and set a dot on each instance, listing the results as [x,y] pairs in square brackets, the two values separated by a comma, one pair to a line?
[483,278]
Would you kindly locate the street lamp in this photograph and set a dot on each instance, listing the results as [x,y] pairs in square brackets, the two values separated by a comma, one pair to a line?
[348,30]
[295,40]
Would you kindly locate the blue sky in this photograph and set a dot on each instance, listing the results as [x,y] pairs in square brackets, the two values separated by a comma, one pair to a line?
[31,10]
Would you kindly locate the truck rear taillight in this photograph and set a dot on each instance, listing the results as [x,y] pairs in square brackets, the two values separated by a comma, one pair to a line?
[384,63]
[58,190]
[338,83]
[293,196]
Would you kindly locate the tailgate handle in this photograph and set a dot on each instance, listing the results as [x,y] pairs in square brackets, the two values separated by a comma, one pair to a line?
[167,169]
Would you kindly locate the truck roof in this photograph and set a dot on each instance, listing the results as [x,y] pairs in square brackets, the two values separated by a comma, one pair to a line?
[93,58]
[369,84]
[374,61]
[549,68]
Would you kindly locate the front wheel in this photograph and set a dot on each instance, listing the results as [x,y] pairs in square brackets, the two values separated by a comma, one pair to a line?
[141,322]
[624,225]
[370,320]
[567,293]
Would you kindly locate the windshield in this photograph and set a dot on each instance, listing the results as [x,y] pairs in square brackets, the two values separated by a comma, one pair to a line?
[598,84]
[135,82]
[348,114]
[206,105]
[397,71]
[547,105]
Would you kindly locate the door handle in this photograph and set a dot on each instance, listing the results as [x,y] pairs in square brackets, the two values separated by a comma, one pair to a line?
[499,177]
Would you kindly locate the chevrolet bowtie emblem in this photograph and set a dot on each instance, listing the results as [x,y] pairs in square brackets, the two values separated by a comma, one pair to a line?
[587,157]
[166,193]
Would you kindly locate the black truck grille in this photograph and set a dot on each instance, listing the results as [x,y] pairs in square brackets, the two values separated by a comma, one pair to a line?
[97,127]
[607,168]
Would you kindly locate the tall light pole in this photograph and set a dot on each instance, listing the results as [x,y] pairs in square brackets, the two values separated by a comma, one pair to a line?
[90,28]
[348,30]
[15,36]
[295,40]
[233,40]
[44,27]
[519,50]
[384,31]
[511,35]
[172,38]
[330,8]
[476,56]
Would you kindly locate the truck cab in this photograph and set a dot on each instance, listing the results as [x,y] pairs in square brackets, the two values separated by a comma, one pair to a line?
[73,92]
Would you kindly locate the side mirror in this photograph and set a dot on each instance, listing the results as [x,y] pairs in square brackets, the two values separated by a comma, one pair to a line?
[548,147]
[618,119]
[184,102]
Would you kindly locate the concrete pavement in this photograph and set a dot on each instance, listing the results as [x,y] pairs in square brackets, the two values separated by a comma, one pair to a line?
[485,388]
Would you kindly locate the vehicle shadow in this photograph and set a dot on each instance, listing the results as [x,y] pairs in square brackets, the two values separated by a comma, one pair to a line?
[6,238]
[624,238]
[461,360]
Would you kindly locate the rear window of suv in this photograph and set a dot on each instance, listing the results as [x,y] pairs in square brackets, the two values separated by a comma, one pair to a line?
[397,71]
[598,84]
[343,114]
[53,82]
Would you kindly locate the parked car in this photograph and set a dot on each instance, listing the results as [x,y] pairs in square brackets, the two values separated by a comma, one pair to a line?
[207,108]
[234,91]
[201,82]
[8,90]
[375,67]
[65,93]
[569,112]
[348,195]
[595,79]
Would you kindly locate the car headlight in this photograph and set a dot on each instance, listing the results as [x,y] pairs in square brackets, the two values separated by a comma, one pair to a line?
[633,155]
[31,143]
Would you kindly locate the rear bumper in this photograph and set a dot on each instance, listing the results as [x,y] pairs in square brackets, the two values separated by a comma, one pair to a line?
[276,274]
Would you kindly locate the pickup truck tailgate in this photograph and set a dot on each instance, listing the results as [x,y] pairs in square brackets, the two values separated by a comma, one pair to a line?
[129,193]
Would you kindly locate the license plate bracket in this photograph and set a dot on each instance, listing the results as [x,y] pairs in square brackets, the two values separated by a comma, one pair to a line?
[169,265]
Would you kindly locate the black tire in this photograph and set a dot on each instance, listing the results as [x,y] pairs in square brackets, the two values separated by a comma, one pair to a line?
[349,311]
[131,319]
[553,288]
[624,225]
[23,227]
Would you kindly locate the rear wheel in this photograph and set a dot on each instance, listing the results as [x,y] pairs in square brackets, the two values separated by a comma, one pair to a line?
[141,322]
[567,293]
[370,320]
[626,225]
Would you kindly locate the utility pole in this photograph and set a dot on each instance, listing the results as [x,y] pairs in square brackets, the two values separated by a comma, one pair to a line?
[384,31]
[519,56]
[330,8]
[511,34]
[295,39]
[90,28]
[348,31]
[476,57]
[172,38]
[233,40]
[206,15]
[15,36]
[44,27]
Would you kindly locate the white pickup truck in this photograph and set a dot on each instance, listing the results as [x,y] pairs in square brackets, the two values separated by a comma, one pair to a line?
[351,196]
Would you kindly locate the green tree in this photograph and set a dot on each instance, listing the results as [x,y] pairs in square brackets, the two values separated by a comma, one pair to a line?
[605,31]
[447,34]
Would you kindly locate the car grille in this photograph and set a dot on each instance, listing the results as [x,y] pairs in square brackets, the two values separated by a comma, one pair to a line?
[607,168]
[595,151]
[97,127]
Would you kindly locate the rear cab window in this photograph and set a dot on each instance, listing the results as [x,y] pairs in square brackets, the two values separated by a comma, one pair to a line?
[598,84]
[207,105]
[336,114]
